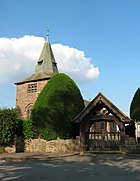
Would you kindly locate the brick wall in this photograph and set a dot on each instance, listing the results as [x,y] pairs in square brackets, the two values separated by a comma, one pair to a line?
[26,100]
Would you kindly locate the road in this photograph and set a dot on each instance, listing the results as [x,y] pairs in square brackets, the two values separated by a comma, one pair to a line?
[89,167]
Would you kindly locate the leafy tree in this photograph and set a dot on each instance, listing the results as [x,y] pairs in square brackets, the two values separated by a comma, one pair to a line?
[135,106]
[9,125]
[57,104]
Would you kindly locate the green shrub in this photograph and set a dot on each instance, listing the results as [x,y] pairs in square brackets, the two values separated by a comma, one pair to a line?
[9,124]
[57,104]
[27,129]
[135,106]
[47,134]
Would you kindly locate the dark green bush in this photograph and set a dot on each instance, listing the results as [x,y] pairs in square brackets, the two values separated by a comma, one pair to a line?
[135,106]
[27,129]
[47,134]
[9,124]
[57,104]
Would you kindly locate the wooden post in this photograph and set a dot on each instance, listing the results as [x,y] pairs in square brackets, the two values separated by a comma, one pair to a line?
[122,134]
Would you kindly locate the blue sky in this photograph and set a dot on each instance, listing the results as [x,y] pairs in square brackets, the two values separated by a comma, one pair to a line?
[107,31]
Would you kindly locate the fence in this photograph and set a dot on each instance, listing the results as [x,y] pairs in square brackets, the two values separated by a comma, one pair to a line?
[104,140]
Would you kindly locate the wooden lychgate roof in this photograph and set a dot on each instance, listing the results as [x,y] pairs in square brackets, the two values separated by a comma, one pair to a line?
[100,102]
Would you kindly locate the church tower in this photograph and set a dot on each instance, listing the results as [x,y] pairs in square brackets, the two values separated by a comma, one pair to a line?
[28,89]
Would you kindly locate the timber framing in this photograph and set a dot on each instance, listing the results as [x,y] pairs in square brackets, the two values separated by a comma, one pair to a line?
[98,110]
[99,102]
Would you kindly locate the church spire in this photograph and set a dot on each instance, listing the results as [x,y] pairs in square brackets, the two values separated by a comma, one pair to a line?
[46,65]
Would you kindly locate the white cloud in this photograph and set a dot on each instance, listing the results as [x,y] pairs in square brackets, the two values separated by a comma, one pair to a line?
[18,57]
[74,63]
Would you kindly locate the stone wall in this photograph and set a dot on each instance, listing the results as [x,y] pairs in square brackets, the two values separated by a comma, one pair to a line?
[11,149]
[54,146]
[130,146]
[66,146]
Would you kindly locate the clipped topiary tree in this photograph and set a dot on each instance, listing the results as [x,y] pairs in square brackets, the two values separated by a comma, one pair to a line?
[135,106]
[57,104]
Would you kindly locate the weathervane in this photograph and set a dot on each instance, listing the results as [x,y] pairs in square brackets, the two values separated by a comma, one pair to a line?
[48,33]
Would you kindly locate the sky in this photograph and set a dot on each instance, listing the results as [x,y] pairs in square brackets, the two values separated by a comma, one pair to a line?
[95,42]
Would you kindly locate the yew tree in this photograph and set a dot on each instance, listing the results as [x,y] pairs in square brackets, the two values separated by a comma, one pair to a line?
[57,104]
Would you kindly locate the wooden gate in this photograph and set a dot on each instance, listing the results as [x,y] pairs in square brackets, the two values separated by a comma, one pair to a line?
[104,141]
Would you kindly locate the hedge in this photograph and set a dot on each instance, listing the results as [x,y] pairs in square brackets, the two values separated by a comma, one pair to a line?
[9,125]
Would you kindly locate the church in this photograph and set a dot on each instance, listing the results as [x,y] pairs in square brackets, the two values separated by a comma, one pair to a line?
[28,89]
[100,120]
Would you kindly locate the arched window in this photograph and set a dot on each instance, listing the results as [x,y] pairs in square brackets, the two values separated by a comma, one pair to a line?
[29,113]
[29,108]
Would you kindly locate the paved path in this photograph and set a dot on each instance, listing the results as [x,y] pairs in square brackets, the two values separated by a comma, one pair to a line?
[88,167]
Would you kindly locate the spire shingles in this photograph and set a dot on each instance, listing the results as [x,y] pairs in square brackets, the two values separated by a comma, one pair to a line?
[46,65]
